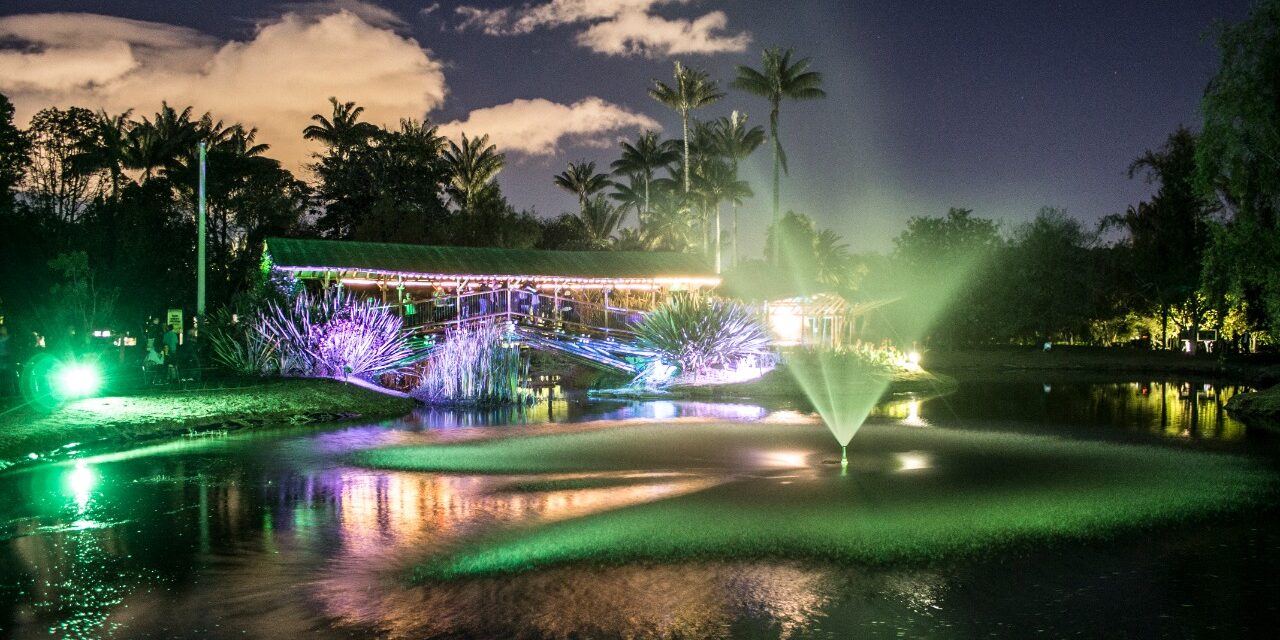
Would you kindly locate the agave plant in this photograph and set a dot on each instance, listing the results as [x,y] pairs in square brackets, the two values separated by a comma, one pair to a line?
[699,334]
[241,346]
[333,335]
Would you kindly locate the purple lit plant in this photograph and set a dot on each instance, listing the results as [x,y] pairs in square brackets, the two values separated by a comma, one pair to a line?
[476,364]
[333,334]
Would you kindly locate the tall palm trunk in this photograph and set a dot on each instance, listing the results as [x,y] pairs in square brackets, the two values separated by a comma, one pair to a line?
[640,216]
[777,179]
[684,125]
[777,160]
[717,236]
[735,234]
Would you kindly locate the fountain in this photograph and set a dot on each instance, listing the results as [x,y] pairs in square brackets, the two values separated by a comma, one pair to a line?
[843,390]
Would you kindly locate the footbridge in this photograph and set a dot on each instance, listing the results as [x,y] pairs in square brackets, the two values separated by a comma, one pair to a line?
[587,333]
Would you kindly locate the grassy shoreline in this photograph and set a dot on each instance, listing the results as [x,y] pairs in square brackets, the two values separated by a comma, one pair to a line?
[1261,407]
[130,418]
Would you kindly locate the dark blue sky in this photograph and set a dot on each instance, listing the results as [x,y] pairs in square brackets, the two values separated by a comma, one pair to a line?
[1001,107]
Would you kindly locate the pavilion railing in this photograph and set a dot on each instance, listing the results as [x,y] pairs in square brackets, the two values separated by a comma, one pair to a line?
[520,306]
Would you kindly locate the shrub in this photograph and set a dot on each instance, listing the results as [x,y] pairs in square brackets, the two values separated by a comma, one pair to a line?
[333,334]
[241,346]
[476,364]
[699,334]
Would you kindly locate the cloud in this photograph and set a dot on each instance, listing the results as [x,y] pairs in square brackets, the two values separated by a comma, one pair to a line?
[372,14]
[637,33]
[273,81]
[538,127]
[614,27]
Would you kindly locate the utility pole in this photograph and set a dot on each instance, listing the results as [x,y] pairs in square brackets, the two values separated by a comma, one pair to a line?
[200,243]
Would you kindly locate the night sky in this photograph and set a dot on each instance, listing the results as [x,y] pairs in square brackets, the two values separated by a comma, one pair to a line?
[1002,107]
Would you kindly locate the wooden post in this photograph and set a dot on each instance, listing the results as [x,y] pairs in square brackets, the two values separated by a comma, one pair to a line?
[606,309]
[458,297]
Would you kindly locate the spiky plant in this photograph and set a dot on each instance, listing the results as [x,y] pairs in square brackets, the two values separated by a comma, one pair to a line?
[476,364]
[333,334]
[700,334]
[240,346]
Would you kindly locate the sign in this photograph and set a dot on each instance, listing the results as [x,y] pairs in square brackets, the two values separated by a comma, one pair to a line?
[174,317]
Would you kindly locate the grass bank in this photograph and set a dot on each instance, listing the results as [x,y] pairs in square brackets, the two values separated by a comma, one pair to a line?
[117,419]
[1260,407]
[910,494]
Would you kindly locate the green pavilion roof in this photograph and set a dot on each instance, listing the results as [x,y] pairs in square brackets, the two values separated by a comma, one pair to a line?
[431,261]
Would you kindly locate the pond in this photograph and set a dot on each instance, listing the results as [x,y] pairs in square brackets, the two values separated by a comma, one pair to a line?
[277,534]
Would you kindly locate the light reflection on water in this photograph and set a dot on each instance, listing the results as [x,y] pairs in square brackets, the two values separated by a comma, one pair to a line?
[272,532]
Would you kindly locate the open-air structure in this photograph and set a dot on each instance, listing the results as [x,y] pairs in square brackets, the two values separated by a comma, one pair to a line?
[547,295]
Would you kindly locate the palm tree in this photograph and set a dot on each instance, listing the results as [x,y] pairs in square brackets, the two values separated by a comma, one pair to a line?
[342,131]
[631,194]
[693,90]
[779,78]
[716,183]
[737,141]
[632,240]
[831,259]
[668,226]
[647,155]
[601,220]
[473,165]
[106,149]
[161,144]
[582,180]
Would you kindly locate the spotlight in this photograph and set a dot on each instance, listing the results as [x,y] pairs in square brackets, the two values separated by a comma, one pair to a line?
[77,380]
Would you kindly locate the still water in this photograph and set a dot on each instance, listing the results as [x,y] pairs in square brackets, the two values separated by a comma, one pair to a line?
[273,535]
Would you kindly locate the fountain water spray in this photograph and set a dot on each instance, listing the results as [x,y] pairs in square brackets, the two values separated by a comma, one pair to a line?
[843,389]
[933,260]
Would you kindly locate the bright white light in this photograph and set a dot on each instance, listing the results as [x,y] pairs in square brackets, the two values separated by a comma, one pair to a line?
[784,459]
[912,460]
[77,380]
[914,358]
[913,418]
[81,482]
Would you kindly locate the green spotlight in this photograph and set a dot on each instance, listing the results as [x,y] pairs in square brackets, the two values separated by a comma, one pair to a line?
[77,380]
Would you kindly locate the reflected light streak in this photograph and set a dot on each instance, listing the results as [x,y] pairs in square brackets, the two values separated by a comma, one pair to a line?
[81,481]
[784,459]
[913,460]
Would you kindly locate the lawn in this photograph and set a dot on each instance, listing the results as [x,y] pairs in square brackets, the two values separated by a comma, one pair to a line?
[910,494]
[107,420]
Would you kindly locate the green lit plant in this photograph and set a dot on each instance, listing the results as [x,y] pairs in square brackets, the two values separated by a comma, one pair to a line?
[240,345]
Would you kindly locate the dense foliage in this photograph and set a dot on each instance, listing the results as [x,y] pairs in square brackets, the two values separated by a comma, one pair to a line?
[97,213]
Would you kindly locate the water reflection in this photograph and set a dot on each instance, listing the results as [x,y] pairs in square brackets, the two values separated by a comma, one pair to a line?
[1178,409]
[694,600]
[904,409]
[273,534]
